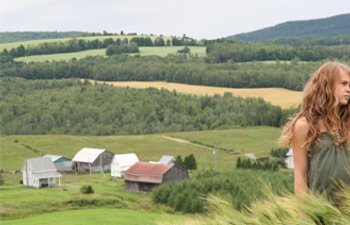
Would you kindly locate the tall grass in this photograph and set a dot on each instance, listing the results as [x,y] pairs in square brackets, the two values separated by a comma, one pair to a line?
[288,209]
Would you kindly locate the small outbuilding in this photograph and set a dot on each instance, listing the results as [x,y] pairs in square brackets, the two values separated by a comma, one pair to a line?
[143,176]
[289,159]
[121,163]
[92,160]
[167,159]
[39,173]
[62,164]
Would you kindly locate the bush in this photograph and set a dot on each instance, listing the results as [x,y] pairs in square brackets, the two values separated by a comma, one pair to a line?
[86,189]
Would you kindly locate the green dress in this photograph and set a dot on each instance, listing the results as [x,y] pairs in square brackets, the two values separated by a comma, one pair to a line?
[328,165]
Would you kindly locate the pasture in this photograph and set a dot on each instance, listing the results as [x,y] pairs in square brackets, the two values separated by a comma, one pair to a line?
[11,45]
[110,204]
[276,96]
[229,144]
[144,51]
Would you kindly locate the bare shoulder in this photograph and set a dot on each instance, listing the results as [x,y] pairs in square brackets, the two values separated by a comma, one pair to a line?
[301,126]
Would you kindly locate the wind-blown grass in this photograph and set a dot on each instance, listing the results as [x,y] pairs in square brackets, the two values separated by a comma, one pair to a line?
[287,209]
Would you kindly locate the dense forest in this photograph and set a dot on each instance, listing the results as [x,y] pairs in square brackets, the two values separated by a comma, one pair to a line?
[69,106]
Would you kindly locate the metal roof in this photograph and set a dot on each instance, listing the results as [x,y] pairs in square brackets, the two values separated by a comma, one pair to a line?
[125,159]
[41,167]
[166,159]
[88,155]
[57,158]
[147,172]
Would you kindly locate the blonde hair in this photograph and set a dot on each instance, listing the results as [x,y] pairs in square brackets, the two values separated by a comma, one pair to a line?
[319,103]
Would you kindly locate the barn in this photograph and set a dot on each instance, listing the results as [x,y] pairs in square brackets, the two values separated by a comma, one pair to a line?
[121,163]
[62,164]
[39,173]
[143,176]
[92,160]
[167,159]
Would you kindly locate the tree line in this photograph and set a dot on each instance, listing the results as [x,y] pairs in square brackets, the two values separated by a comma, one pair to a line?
[77,45]
[173,68]
[72,107]
[238,51]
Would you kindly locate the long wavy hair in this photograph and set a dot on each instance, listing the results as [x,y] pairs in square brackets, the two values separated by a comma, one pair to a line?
[319,103]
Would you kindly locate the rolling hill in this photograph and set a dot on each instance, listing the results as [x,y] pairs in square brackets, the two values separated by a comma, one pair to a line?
[334,26]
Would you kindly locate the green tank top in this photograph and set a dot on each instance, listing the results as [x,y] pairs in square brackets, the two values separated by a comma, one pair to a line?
[328,165]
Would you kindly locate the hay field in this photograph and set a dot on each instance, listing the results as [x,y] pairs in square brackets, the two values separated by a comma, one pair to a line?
[276,96]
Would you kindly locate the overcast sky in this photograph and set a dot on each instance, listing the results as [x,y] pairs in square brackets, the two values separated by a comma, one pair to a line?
[209,19]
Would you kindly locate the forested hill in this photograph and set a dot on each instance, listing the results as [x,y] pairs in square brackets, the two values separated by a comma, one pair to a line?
[327,27]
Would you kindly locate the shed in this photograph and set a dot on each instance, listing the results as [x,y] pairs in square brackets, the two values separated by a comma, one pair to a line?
[143,176]
[62,164]
[289,159]
[121,163]
[167,159]
[39,172]
[92,160]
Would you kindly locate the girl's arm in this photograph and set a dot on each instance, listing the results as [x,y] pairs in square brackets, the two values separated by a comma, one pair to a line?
[301,129]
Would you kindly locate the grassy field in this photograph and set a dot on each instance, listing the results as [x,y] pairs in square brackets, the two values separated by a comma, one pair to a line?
[11,45]
[109,204]
[45,206]
[276,96]
[99,216]
[258,140]
[144,51]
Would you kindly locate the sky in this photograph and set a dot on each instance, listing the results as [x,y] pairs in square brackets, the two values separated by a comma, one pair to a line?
[199,19]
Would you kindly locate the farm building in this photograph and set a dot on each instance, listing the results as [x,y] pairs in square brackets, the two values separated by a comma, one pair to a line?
[121,163]
[167,159]
[62,164]
[143,176]
[92,160]
[289,159]
[39,172]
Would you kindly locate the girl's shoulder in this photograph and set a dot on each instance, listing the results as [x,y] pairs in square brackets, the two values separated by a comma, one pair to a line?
[302,123]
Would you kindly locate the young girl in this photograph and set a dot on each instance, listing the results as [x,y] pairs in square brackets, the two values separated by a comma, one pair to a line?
[320,132]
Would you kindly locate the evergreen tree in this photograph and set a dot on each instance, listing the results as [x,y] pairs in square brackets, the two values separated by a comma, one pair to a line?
[190,162]
[179,162]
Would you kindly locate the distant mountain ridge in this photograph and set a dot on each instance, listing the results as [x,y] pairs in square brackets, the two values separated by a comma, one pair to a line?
[327,27]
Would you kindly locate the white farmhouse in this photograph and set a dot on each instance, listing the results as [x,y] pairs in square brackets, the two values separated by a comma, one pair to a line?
[40,172]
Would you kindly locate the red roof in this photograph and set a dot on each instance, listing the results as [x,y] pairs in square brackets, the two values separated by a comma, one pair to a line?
[147,172]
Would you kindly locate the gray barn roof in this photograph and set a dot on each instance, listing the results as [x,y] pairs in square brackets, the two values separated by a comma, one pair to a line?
[41,167]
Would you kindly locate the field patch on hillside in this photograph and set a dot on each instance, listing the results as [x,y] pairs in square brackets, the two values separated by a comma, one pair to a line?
[276,96]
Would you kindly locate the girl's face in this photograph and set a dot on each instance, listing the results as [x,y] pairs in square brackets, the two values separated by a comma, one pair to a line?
[342,89]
